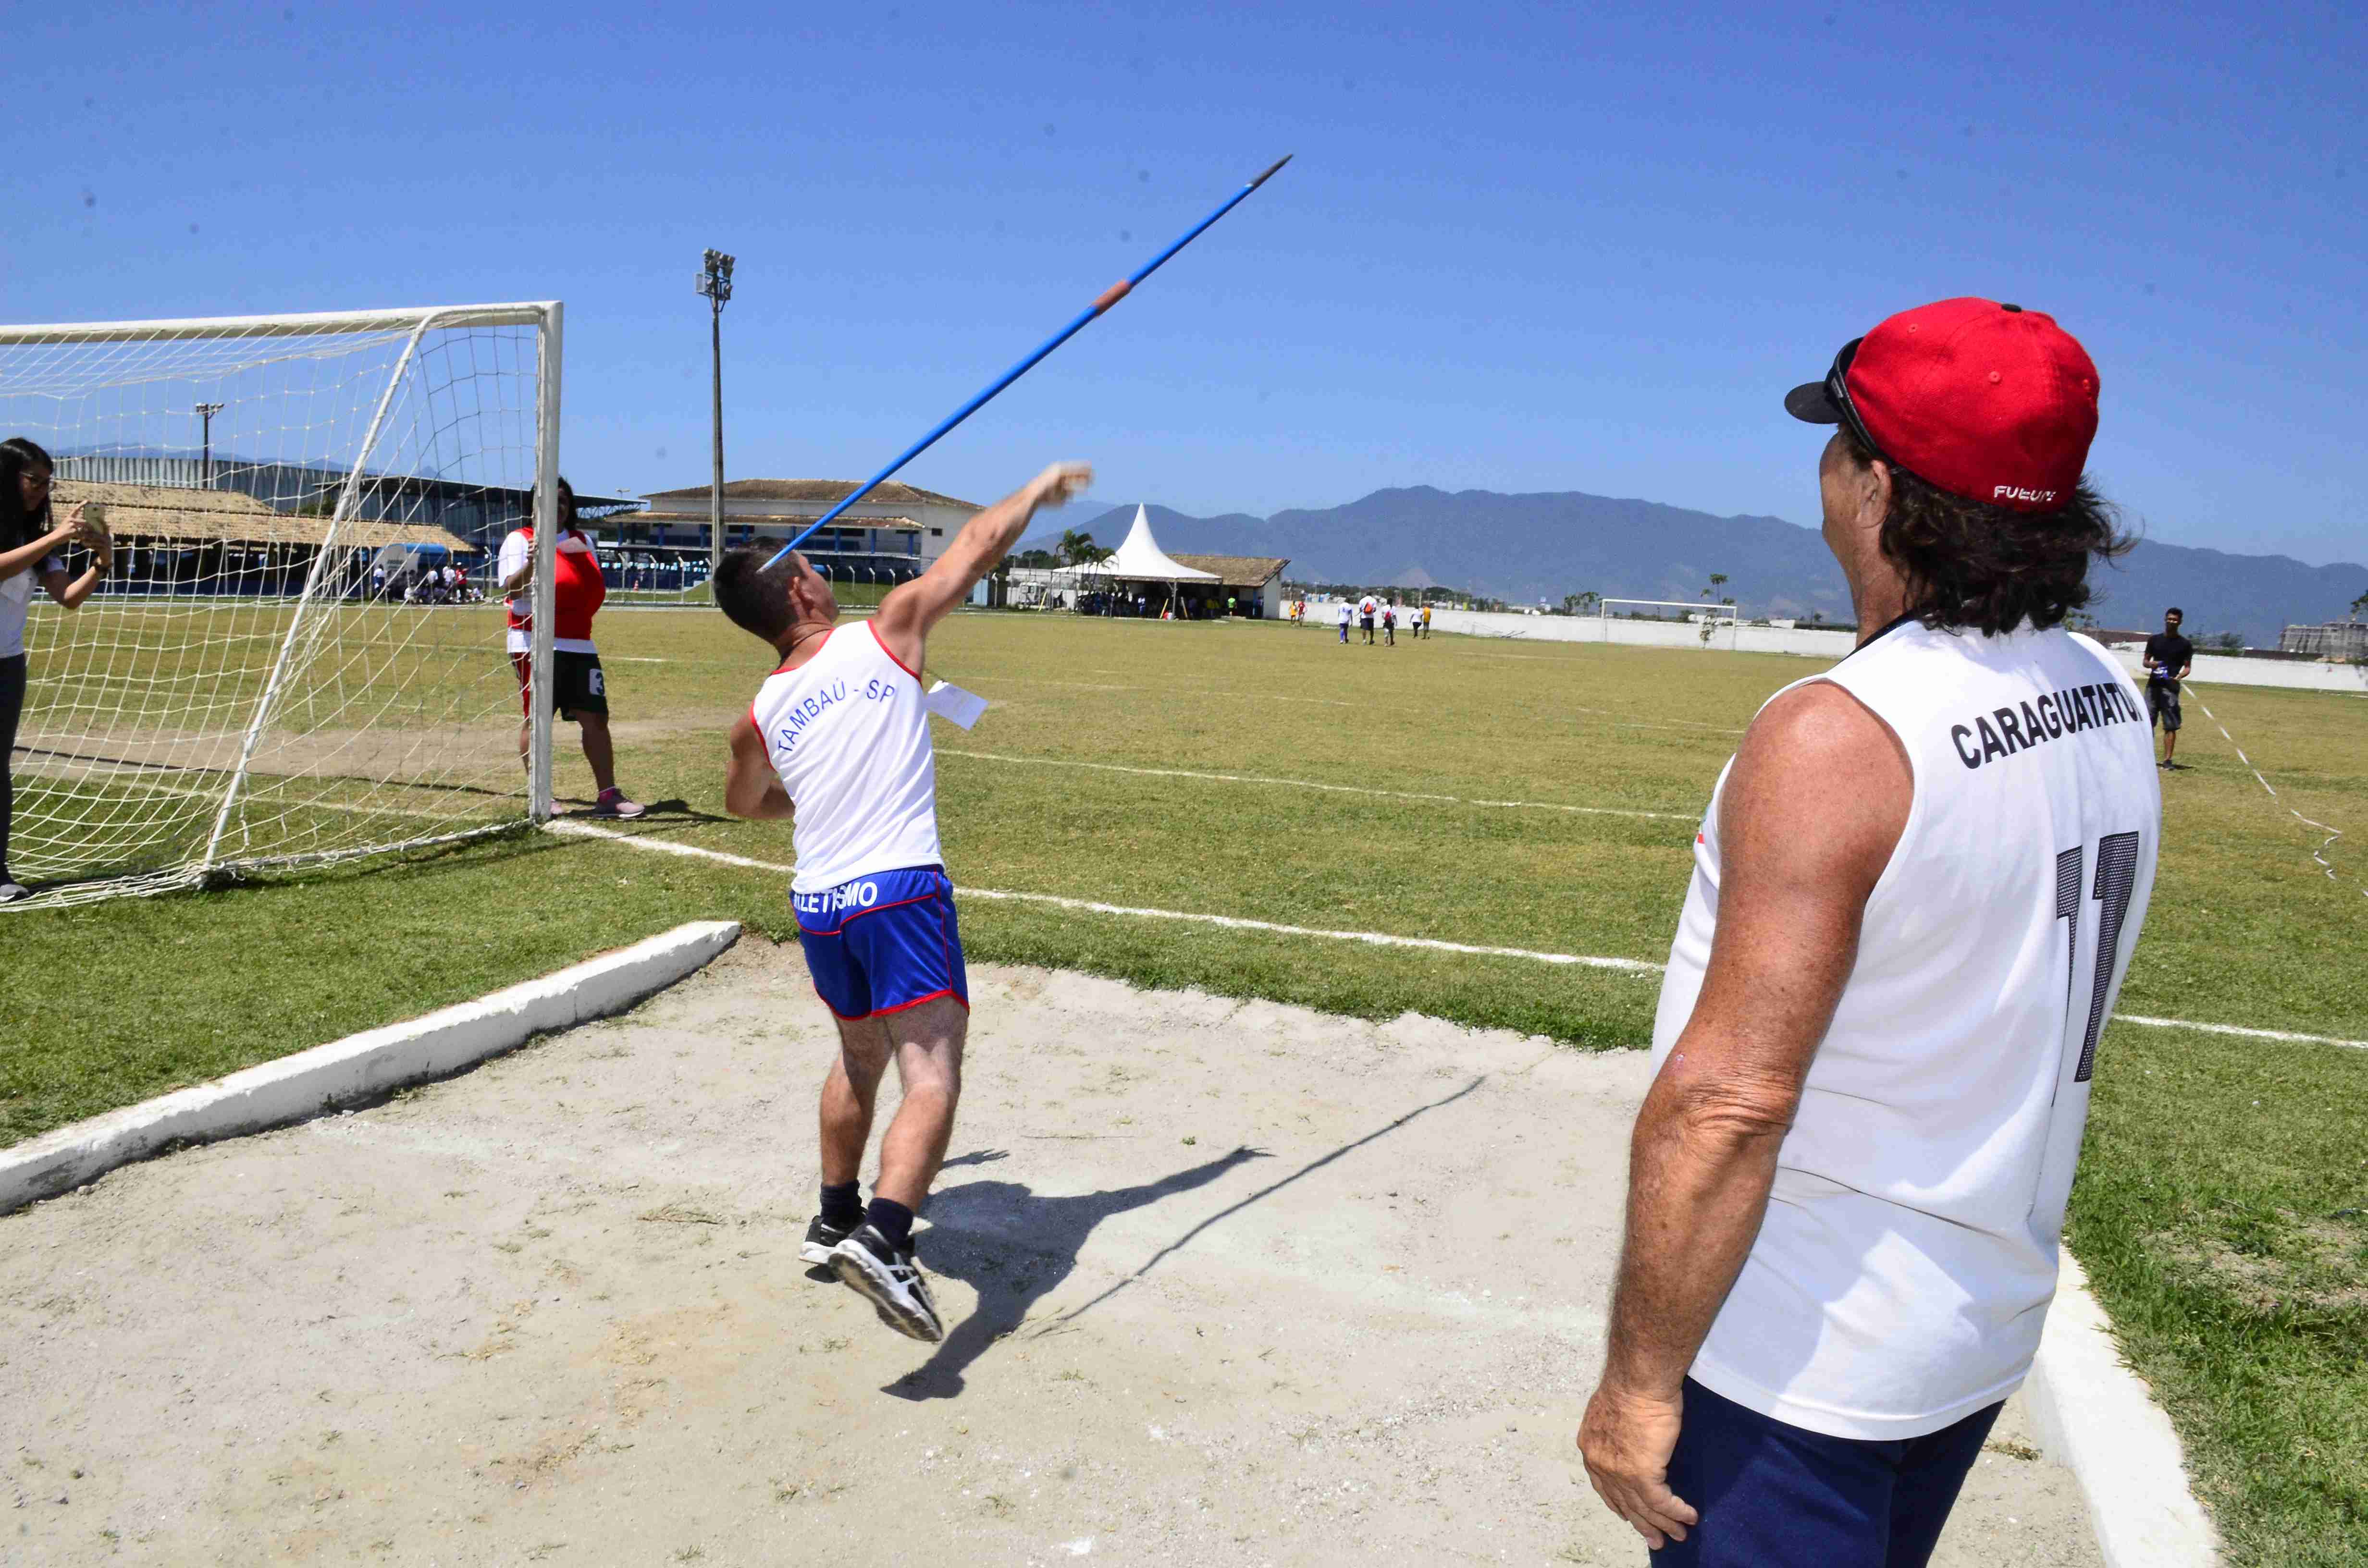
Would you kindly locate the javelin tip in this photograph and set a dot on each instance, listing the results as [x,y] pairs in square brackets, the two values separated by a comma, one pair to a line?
[1271,170]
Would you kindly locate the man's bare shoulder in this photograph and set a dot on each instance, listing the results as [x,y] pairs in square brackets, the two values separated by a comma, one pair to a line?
[1818,774]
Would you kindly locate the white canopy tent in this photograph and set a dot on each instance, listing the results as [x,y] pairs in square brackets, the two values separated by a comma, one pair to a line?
[1140,559]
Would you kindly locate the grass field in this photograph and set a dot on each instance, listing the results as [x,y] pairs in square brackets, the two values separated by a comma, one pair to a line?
[1530,796]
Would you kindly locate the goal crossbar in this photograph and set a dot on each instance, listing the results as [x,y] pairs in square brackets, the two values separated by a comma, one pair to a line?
[319,323]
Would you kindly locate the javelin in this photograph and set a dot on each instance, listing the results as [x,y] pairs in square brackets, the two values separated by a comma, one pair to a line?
[1109,297]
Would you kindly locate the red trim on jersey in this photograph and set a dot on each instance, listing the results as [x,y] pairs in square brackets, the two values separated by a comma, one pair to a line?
[891,656]
[783,668]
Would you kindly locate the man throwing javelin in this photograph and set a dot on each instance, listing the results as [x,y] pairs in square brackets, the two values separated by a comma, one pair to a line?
[838,741]
[1915,892]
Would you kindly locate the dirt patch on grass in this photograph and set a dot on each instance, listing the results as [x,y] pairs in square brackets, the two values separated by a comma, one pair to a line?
[2295,1263]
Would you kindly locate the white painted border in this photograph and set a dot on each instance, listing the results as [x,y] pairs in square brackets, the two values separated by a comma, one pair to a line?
[361,1066]
[2099,1420]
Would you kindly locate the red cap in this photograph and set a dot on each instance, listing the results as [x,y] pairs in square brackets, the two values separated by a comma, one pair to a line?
[1986,400]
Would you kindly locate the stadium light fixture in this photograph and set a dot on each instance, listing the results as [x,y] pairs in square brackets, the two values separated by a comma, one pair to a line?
[715,284]
[205,412]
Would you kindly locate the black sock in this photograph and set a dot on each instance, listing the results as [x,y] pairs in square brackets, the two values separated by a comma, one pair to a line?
[842,1206]
[892,1220]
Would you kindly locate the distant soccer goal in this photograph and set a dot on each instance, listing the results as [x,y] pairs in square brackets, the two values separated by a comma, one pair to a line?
[1710,625]
[274,673]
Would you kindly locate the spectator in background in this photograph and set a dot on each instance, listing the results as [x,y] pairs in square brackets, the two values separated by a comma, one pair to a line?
[2168,657]
[32,550]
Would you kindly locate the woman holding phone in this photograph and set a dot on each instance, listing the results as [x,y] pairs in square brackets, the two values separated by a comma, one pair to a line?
[31,550]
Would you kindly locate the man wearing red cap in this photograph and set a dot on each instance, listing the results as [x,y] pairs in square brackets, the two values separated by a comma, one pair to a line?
[1915,892]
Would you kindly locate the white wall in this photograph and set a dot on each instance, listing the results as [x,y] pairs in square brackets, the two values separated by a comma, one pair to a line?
[2217,669]
[1647,633]
[2210,669]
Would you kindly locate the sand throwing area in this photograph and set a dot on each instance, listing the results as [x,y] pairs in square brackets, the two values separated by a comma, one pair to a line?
[1229,1283]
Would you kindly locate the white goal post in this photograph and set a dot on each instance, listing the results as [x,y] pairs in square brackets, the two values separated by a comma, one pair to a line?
[278,669]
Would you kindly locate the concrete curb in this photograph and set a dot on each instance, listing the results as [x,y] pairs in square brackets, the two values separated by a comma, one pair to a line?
[361,1066]
[2099,1420]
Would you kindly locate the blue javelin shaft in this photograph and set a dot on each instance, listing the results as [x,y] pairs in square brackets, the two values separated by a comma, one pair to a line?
[1109,297]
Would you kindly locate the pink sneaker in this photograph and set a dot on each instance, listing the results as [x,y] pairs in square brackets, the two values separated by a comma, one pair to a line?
[612,803]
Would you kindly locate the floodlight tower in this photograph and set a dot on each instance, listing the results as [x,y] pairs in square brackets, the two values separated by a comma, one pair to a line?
[715,283]
[205,412]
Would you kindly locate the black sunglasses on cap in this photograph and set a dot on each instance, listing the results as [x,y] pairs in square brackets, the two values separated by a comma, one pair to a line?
[1829,401]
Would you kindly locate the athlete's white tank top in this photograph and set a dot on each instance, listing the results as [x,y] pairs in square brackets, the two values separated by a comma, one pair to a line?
[1908,1255]
[850,740]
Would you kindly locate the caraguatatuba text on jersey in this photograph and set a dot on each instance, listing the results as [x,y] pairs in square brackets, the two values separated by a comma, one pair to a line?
[2006,731]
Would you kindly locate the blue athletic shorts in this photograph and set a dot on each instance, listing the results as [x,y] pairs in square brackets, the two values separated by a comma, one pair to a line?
[883,943]
[1774,1495]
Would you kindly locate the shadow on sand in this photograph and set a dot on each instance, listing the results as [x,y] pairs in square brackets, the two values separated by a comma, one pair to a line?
[1014,1248]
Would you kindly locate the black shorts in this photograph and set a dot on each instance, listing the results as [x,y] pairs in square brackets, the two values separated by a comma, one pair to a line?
[2162,704]
[581,685]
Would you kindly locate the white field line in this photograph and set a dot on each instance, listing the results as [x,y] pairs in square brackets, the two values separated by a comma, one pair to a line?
[1312,784]
[1371,939]
[2333,834]
[2231,1029]
[1176,690]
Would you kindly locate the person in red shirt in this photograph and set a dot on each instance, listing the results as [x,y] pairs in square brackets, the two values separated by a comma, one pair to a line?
[580,689]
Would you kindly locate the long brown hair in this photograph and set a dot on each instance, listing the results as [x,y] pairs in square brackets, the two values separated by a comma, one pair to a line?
[1970,563]
[19,526]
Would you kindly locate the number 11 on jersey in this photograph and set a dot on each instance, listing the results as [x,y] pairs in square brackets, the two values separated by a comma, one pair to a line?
[2117,871]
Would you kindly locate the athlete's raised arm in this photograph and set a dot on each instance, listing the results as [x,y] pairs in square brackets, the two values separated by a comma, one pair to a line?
[751,788]
[908,613]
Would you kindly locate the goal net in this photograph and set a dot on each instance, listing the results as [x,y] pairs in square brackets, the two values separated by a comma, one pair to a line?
[1678,621]
[281,668]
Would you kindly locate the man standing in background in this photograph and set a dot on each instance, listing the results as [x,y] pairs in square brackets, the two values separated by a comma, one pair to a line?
[580,693]
[2168,657]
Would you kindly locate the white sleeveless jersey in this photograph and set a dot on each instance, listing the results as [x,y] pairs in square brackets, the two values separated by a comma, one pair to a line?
[1908,1255]
[850,738]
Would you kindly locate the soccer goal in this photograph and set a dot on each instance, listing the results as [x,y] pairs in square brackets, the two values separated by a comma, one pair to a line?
[258,682]
[1678,621]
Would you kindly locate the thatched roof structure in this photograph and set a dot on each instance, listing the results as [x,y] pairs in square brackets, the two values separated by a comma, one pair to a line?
[156,512]
[1236,571]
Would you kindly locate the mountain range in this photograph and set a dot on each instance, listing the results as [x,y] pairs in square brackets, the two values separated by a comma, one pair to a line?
[1532,546]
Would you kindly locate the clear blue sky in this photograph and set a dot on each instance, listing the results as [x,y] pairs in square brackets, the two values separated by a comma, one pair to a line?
[1585,250]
